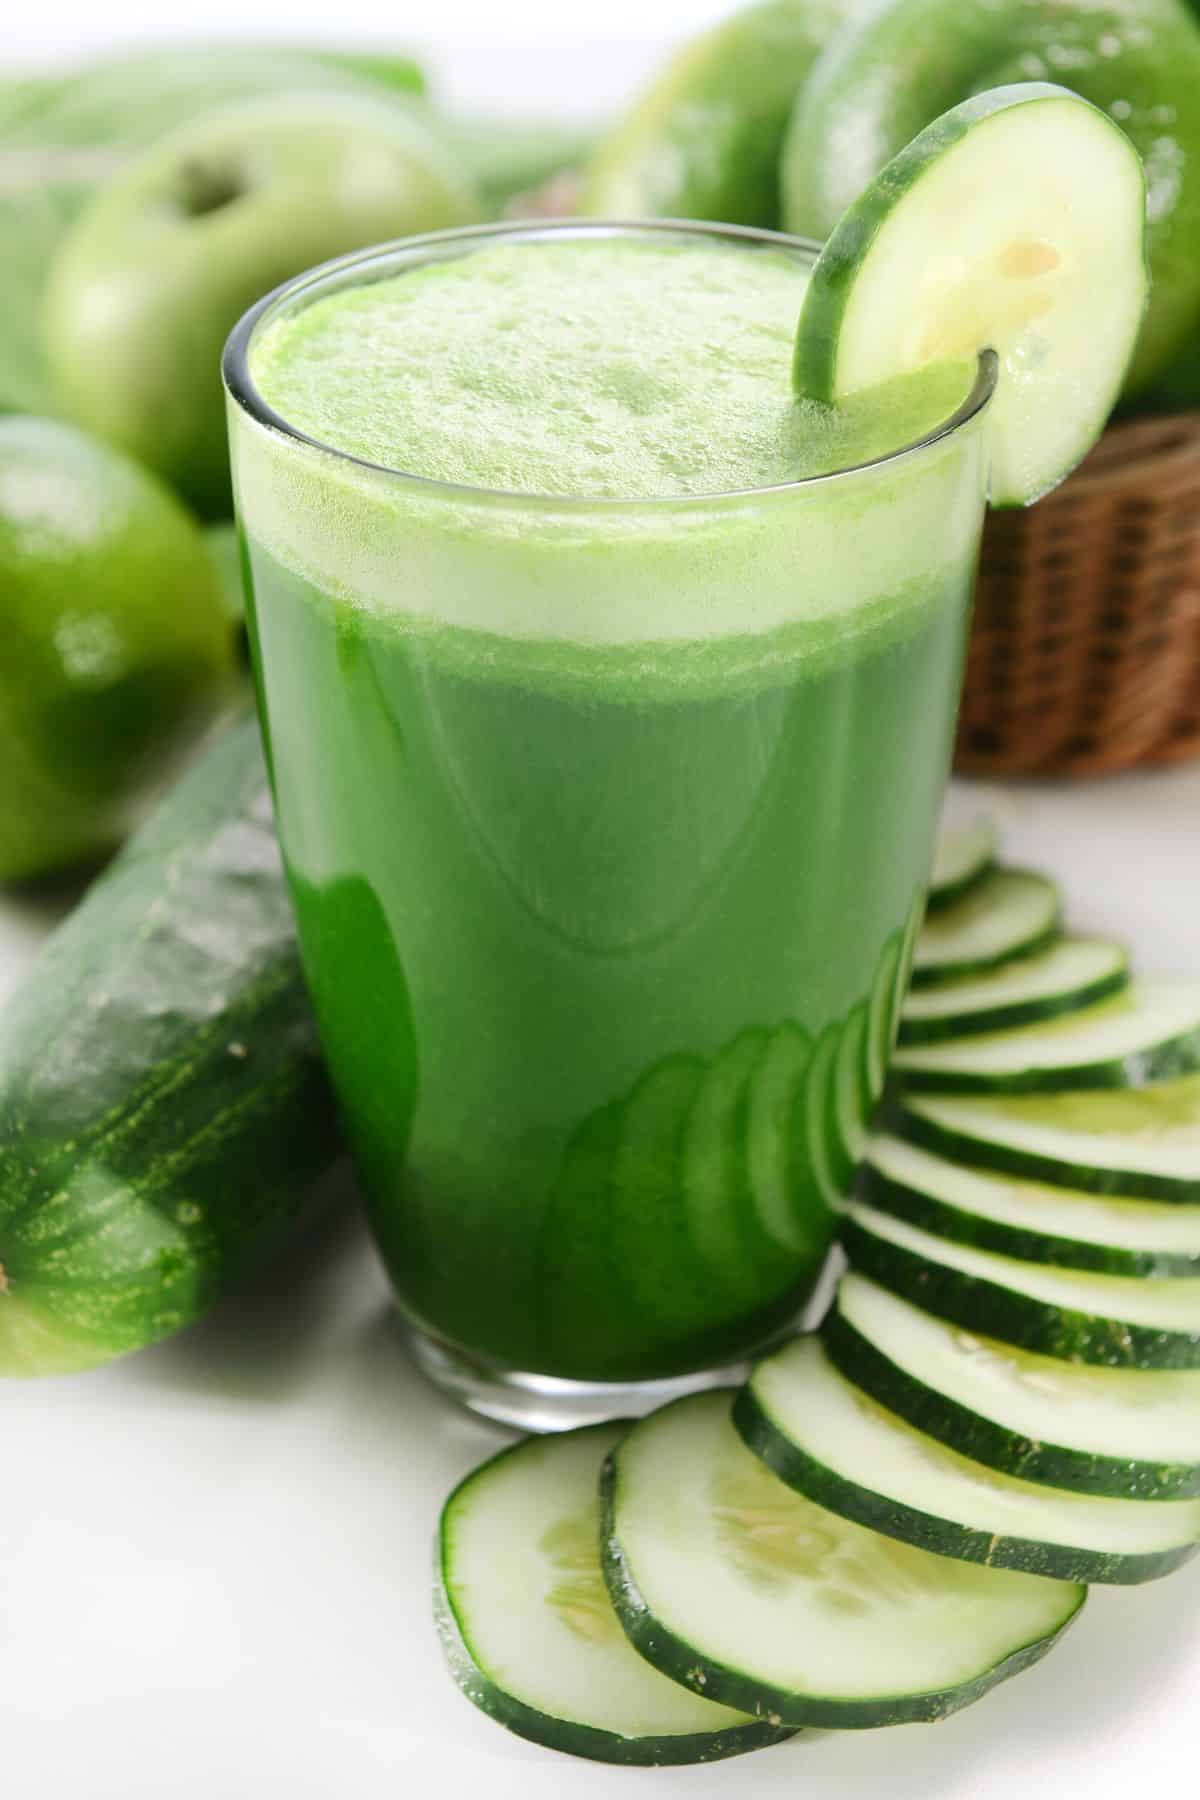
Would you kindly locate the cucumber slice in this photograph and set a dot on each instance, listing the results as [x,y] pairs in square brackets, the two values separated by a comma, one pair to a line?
[996,227]
[527,1627]
[839,1448]
[777,1187]
[1036,1223]
[1111,1320]
[1139,1141]
[828,1176]
[1072,974]
[1008,913]
[1149,1032]
[964,853]
[713,1165]
[735,1586]
[882,1018]
[1123,1432]
[850,1112]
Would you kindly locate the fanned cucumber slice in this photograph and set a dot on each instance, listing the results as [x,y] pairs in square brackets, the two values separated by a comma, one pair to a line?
[828,1173]
[1008,913]
[1137,1141]
[882,1018]
[1112,1320]
[778,1189]
[1070,975]
[964,853]
[1124,1432]
[528,1629]
[1032,1221]
[1149,1032]
[850,1111]
[714,1173]
[995,228]
[820,1434]
[735,1586]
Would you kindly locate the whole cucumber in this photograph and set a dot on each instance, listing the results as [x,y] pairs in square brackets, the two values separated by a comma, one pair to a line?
[164,1112]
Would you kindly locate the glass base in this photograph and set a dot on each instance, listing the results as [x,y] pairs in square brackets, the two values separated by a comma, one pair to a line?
[543,1402]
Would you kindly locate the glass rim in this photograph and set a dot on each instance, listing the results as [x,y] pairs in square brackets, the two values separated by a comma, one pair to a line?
[422,249]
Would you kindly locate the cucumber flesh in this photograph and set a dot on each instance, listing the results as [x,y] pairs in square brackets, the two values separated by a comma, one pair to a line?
[1008,913]
[733,1584]
[1129,1433]
[1113,1320]
[828,1440]
[1070,975]
[528,1629]
[1032,1221]
[1151,1031]
[1140,1141]
[995,228]
[963,854]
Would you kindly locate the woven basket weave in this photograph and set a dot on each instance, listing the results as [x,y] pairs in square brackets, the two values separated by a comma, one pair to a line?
[1085,650]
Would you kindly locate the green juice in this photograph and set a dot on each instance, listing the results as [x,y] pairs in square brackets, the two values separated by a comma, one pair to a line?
[607,796]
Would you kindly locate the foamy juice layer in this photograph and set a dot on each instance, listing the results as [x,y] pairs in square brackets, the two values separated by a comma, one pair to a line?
[592,366]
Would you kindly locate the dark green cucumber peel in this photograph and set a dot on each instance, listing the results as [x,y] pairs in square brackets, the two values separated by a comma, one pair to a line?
[717,1681]
[944,1537]
[962,1429]
[979,1305]
[1031,1165]
[164,1112]
[943,1220]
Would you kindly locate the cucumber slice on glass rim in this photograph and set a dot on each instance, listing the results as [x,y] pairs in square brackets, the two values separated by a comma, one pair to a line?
[1137,1142]
[1128,1433]
[737,1587]
[528,1629]
[1006,914]
[821,1435]
[1014,223]
[1116,1321]
[1149,1032]
[1066,1228]
[1071,974]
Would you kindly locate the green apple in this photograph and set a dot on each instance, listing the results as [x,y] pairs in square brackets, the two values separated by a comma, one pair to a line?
[703,141]
[161,265]
[882,81]
[115,642]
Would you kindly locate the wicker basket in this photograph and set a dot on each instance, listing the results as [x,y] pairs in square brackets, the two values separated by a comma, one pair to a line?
[1085,651]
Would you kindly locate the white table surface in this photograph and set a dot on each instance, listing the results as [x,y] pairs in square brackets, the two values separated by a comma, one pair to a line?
[214,1557]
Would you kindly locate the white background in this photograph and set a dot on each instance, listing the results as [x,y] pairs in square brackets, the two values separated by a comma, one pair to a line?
[214,1558]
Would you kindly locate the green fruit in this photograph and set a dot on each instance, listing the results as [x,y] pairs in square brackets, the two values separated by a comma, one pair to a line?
[883,80]
[1177,387]
[161,266]
[703,141]
[114,642]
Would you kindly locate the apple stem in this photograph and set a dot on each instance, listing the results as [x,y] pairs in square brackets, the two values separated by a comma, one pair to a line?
[206,187]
